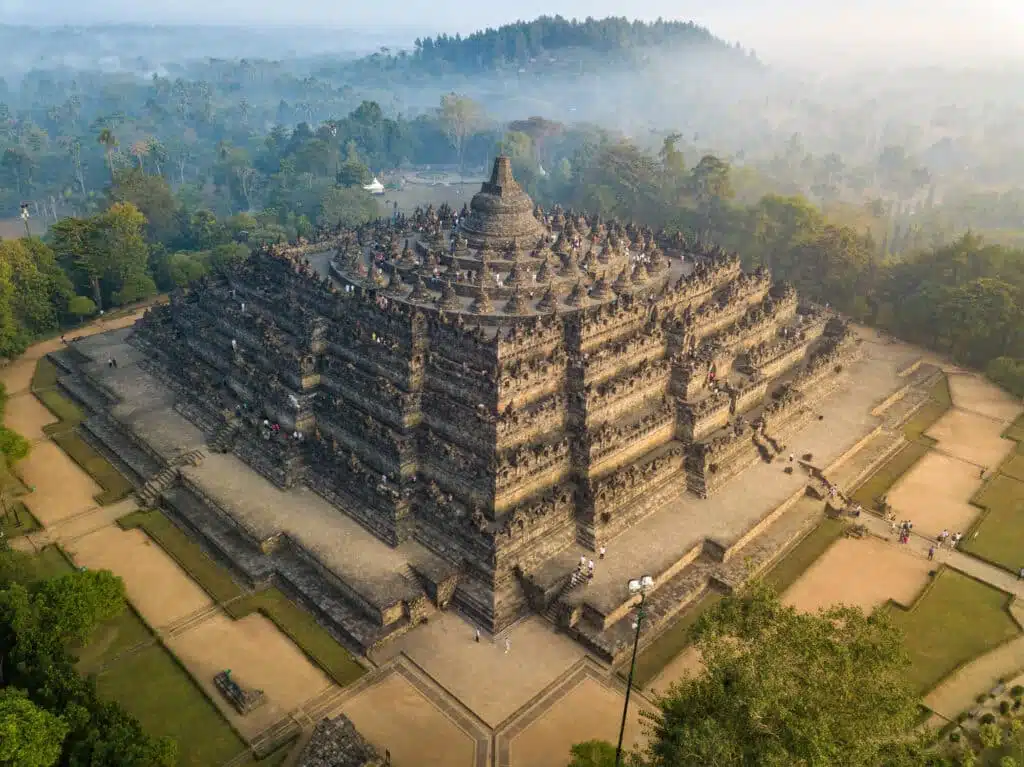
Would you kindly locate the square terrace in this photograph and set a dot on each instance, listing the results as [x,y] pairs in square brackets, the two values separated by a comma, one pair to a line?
[663,538]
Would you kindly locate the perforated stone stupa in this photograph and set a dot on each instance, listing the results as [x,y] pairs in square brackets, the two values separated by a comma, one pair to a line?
[499,384]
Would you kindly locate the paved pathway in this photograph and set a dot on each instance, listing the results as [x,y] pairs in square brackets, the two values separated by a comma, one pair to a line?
[919,545]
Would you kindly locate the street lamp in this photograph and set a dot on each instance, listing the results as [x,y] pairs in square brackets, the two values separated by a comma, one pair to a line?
[636,586]
[25,217]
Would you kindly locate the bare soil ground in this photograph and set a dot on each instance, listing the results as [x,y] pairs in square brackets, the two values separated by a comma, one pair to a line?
[160,590]
[974,393]
[971,437]
[259,656]
[587,712]
[392,714]
[863,572]
[27,416]
[935,494]
[62,489]
[493,684]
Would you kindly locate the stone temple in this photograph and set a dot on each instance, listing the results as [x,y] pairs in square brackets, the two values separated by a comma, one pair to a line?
[455,407]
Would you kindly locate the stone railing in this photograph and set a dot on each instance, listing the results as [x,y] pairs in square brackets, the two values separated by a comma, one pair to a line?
[601,324]
[700,418]
[527,461]
[521,423]
[636,350]
[629,482]
[530,335]
[609,439]
[650,379]
[749,394]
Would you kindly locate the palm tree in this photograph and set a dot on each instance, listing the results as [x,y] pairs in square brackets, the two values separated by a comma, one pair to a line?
[109,141]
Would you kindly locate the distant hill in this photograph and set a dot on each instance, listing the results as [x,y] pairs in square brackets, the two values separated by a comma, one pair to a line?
[549,40]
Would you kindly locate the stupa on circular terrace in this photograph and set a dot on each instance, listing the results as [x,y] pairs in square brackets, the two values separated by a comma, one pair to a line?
[502,257]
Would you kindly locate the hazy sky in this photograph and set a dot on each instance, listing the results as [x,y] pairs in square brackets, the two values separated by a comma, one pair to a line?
[932,29]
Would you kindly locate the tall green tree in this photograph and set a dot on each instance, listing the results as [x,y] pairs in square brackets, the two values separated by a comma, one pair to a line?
[782,688]
[29,736]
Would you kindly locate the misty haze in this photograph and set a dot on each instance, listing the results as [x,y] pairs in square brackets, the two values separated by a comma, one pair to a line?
[565,384]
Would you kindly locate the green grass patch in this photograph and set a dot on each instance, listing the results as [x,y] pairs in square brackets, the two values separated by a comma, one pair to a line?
[939,401]
[1016,430]
[68,414]
[213,578]
[999,535]
[51,562]
[45,375]
[152,686]
[806,552]
[292,620]
[956,619]
[17,509]
[115,486]
[882,481]
[1014,467]
[298,625]
[669,643]
[112,638]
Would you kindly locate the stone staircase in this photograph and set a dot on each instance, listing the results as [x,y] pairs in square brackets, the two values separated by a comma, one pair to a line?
[224,439]
[191,458]
[149,493]
[552,612]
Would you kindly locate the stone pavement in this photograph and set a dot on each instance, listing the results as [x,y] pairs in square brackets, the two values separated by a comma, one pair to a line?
[919,545]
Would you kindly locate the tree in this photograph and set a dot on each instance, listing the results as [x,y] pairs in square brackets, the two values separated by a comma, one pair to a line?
[81,307]
[152,196]
[592,753]
[460,116]
[29,736]
[711,186]
[108,140]
[347,207]
[782,687]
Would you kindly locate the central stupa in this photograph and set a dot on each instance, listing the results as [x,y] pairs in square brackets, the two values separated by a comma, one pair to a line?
[501,213]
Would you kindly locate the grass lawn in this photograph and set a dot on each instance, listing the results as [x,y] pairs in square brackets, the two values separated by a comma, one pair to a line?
[51,562]
[999,536]
[668,644]
[111,639]
[29,524]
[1016,430]
[955,620]
[881,482]
[939,401]
[213,578]
[293,621]
[1014,467]
[152,686]
[115,486]
[301,628]
[45,375]
[794,563]
[68,413]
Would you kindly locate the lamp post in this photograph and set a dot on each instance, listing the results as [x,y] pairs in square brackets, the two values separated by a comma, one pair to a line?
[25,217]
[637,586]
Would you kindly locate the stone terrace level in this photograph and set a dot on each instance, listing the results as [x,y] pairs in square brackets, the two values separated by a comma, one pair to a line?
[496,440]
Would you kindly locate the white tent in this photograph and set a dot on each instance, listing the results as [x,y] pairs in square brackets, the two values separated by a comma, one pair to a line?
[375,187]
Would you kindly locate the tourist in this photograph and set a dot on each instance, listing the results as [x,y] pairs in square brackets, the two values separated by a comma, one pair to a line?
[1020,574]
[601,552]
[956,539]
[583,562]
[476,635]
[931,552]
[590,569]
[508,644]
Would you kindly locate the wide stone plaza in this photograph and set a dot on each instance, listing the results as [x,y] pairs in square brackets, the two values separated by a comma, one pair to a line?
[420,430]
